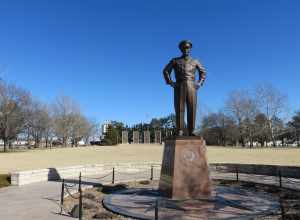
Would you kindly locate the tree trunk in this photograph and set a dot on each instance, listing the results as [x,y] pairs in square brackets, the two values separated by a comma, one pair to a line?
[46,140]
[36,144]
[262,143]
[5,145]
[50,143]
[28,137]
[251,139]
[64,141]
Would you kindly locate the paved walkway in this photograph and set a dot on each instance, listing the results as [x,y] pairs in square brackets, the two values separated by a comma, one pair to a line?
[40,201]
[36,201]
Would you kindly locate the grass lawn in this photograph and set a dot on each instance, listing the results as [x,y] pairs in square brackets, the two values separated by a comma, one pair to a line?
[60,157]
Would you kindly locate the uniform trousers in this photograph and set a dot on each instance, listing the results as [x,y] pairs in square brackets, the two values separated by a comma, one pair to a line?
[185,95]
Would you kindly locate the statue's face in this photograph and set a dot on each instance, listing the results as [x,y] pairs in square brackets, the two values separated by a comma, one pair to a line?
[185,49]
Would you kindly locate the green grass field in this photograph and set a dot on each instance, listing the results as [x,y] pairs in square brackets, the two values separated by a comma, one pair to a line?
[60,157]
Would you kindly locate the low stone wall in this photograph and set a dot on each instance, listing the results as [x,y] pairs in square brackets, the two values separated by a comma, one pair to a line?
[33,176]
[258,169]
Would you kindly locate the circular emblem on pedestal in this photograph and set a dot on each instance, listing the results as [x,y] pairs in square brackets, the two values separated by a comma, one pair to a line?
[189,155]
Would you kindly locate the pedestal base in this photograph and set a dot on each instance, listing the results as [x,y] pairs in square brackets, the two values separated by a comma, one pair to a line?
[185,172]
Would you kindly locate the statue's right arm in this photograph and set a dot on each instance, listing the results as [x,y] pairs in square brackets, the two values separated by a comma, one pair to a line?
[167,72]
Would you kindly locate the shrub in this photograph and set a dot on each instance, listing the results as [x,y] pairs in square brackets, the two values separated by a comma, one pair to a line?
[111,136]
[4,180]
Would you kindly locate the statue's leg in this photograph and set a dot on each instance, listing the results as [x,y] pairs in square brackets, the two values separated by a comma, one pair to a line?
[191,106]
[179,101]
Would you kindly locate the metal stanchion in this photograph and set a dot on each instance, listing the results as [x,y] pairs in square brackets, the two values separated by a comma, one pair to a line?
[280,178]
[80,198]
[282,210]
[62,195]
[151,175]
[156,210]
[113,176]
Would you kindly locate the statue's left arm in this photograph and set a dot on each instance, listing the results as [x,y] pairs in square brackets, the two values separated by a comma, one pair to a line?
[202,73]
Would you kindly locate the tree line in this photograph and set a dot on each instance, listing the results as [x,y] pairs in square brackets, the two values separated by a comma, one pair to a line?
[164,124]
[251,118]
[22,117]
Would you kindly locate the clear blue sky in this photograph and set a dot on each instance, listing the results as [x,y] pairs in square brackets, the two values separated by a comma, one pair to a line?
[109,55]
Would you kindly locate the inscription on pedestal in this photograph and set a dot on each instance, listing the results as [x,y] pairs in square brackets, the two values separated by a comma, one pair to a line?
[189,155]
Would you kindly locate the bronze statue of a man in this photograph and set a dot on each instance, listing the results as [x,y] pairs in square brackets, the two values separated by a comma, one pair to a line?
[185,87]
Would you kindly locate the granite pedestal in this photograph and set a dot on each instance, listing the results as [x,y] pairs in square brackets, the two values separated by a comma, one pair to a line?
[185,172]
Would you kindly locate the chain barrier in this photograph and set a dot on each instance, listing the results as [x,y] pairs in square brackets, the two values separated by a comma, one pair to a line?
[98,178]
[134,173]
[293,181]
[70,194]
[70,185]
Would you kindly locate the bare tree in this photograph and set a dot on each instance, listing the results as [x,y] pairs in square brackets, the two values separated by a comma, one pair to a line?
[294,124]
[14,103]
[273,104]
[38,122]
[250,110]
[49,128]
[80,128]
[93,131]
[243,109]
[219,129]
[261,129]
[64,110]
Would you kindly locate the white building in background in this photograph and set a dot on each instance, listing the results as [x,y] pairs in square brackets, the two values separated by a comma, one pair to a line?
[104,128]
[81,143]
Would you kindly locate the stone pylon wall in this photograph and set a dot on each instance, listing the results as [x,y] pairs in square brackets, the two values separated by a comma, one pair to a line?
[146,137]
[136,137]
[124,137]
[157,137]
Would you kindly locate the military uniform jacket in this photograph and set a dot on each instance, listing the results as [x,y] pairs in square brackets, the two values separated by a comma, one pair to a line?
[184,68]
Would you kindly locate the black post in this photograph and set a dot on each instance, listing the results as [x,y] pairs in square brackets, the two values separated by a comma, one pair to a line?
[113,176]
[80,198]
[282,210]
[151,176]
[62,195]
[156,210]
[237,174]
[280,179]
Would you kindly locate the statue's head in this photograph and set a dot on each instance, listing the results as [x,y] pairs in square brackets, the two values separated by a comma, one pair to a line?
[185,46]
